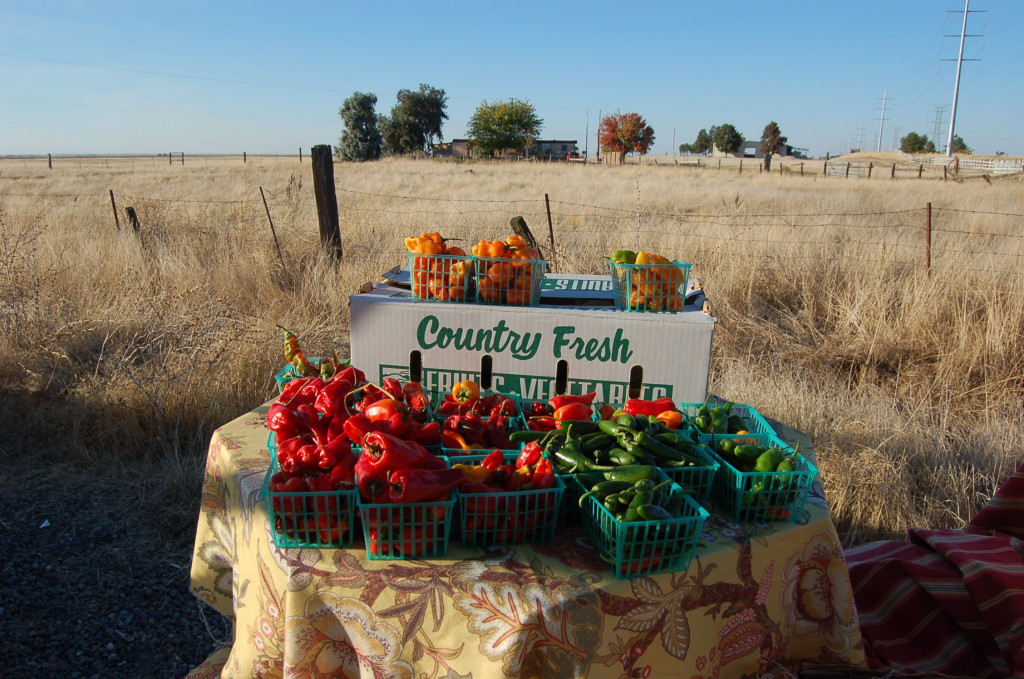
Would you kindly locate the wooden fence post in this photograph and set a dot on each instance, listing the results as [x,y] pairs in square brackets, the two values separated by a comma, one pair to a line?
[170,159]
[920,170]
[113,204]
[133,219]
[871,166]
[244,158]
[272,230]
[49,160]
[551,228]
[892,172]
[300,154]
[824,168]
[741,166]
[847,169]
[326,200]
[801,169]
[928,238]
[182,157]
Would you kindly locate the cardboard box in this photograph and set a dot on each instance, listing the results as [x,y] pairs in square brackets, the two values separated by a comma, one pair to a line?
[574,341]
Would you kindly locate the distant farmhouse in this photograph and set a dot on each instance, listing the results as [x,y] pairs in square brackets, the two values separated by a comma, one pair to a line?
[752,149]
[542,149]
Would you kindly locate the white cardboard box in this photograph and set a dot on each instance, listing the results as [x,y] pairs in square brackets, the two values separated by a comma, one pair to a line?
[575,341]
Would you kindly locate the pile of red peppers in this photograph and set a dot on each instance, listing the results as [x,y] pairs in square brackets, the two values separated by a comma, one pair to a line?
[316,422]
[399,480]
[545,416]
[497,510]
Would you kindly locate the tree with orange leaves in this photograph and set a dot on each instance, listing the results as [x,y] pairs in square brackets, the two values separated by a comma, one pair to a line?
[625,133]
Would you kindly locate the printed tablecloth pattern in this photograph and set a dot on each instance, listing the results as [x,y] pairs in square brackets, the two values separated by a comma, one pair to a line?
[758,599]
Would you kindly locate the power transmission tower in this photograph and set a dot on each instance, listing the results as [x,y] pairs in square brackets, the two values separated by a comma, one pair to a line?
[956,83]
[881,122]
[938,123]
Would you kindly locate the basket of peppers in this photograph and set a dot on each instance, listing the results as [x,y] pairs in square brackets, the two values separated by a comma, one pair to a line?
[406,498]
[472,420]
[309,486]
[645,281]
[440,271]
[508,498]
[508,271]
[639,521]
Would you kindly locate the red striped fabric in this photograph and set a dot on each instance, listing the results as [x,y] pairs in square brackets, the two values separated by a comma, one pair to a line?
[948,601]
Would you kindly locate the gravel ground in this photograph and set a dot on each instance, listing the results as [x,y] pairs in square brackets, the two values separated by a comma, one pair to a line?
[91,590]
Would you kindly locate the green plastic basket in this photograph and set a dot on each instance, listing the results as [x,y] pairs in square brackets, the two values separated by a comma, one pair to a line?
[520,517]
[309,519]
[445,278]
[755,422]
[417,530]
[502,280]
[762,496]
[638,548]
[649,287]
[697,480]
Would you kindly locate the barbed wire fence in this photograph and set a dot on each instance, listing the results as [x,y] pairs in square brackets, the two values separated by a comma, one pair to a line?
[925,236]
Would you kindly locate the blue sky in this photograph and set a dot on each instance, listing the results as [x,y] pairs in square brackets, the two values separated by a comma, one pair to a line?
[192,76]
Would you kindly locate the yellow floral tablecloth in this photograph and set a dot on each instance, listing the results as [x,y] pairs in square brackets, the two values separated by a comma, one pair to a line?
[757,600]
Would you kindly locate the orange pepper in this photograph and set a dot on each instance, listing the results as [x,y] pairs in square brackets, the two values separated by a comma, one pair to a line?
[488,290]
[491,248]
[423,245]
[502,273]
[436,237]
[516,241]
[671,418]
[439,288]
[519,297]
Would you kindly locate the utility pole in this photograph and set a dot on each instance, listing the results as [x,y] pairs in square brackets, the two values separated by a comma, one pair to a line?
[586,138]
[599,134]
[675,151]
[956,83]
[881,122]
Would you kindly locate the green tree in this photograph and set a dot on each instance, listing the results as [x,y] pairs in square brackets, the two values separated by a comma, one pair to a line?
[702,144]
[772,142]
[416,120]
[503,126]
[360,138]
[625,133]
[959,146]
[913,142]
[727,138]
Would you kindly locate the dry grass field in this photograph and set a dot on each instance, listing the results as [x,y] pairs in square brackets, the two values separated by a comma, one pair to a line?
[899,350]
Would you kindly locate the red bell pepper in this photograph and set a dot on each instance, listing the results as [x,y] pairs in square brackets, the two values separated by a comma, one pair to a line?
[557,402]
[372,480]
[544,475]
[497,430]
[529,455]
[574,411]
[543,423]
[417,399]
[425,434]
[392,453]
[357,427]
[424,485]
[639,406]
[493,460]
[311,420]
[291,390]
[333,399]
[281,418]
[394,388]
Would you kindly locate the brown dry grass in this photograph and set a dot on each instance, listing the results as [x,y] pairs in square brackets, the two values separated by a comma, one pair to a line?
[120,354]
